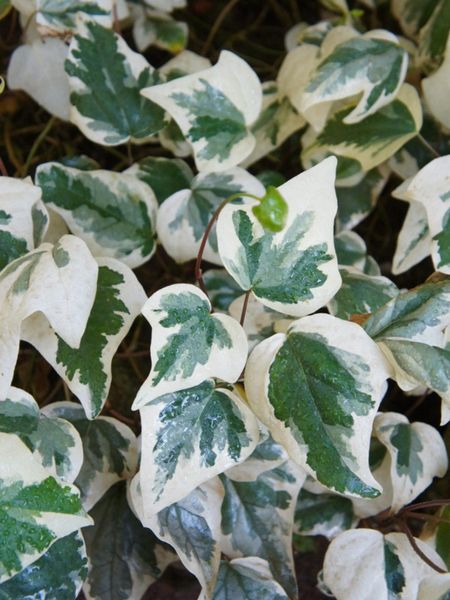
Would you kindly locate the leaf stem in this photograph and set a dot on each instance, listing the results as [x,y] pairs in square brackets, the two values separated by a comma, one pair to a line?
[428,146]
[426,504]
[404,527]
[37,142]
[3,169]
[216,26]
[244,307]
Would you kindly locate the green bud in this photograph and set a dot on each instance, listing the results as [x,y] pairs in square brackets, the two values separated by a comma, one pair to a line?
[272,211]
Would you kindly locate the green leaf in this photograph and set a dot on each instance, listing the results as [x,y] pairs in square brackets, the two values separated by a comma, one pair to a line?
[160,30]
[23,218]
[443,536]
[184,216]
[201,430]
[351,251]
[106,79]
[57,280]
[294,271]
[214,109]
[124,556]
[436,89]
[434,35]
[164,175]
[54,442]
[414,240]
[317,388]
[56,575]
[189,344]
[35,508]
[372,65]
[378,136]
[87,368]
[360,293]
[323,514]
[248,578]
[257,520]
[222,288]
[61,16]
[109,450]
[114,213]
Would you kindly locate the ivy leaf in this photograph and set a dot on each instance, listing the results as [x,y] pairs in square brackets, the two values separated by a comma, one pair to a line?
[201,430]
[430,187]
[189,344]
[266,456]
[62,16]
[56,575]
[372,66]
[260,321]
[105,79]
[378,136]
[109,449]
[184,216]
[414,240]
[124,556]
[164,175]
[214,109]
[114,213]
[157,28]
[191,526]
[323,514]
[351,251]
[54,442]
[36,508]
[294,271]
[360,293]
[436,89]
[433,35]
[434,587]
[395,568]
[249,578]
[222,288]
[317,388]
[257,520]
[59,281]
[23,218]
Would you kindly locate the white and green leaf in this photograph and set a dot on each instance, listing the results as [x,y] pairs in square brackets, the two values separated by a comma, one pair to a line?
[189,344]
[109,448]
[157,28]
[202,431]
[114,213]
[294,271]
[414,240]
[435,587]
[36,508]
[58,17]
[260,321]
[214,110]
[222,288]
[351,251]
[57,280]
[323,514]
[184,216]
[436,88]
[317,388]
[106,79]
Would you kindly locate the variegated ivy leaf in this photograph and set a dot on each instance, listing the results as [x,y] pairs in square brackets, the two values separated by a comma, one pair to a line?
[36,508]
[303,33]
[435,587]
[294,271]
[317,388]
[413,14]
[277,121]
[378,136]
[434,34]
[417,455]
[372,66]
[360,293]
[38,69]
[222,288]
[436,89]
[124,556]
[109,449]
[23,218]
[431,187]
[257,520]
[114,213]
[54,441]
[184,216]
[184,63]
[259,321]
[414,240]
[351,251]
[87,368]
[164,175]
[191,526]
[105,79]
[188,343]
[249,578]
[323,514]
[166,5]
[383,567]
[62,16]
[214,109]
[157,28]
[266,456]
[56,575]
[58,281]
[202,431]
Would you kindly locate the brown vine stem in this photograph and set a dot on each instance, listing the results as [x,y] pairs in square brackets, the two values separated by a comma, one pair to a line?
[197,269]
[426,504]
[428,145]
[38,141]
[404,527]
[3,169]
[218,22]
[244,307]
[425,517]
